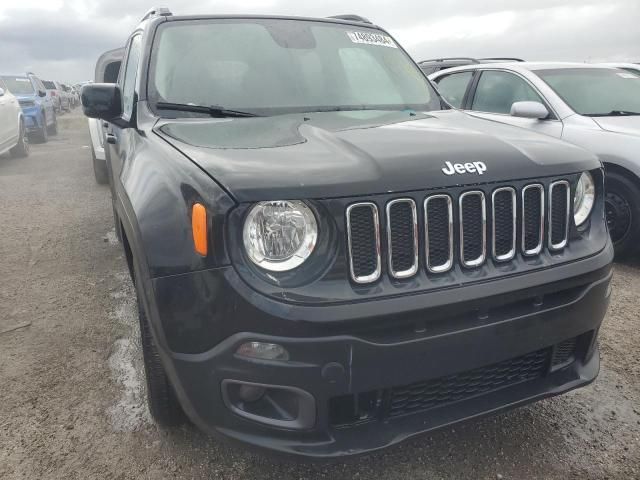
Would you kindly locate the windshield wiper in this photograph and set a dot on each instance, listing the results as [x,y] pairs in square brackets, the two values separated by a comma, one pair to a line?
[214,110]
[614,113]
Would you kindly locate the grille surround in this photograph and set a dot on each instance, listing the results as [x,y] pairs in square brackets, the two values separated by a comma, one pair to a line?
[445,267]
[372,277]
[563,243]
[514,224]
[531,252]
[413,269]
[498,234]
[479,260]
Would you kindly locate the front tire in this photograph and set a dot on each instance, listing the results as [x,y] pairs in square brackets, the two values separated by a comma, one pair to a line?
[42,135]
[163,402]
[53,129]
[21,150]
[622,203]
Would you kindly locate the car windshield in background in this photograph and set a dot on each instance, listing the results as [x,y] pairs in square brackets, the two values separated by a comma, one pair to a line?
[19,85]
[49,85]
[596,92]
[268,66]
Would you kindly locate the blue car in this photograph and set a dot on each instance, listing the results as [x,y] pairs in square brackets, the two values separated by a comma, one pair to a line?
[37,105]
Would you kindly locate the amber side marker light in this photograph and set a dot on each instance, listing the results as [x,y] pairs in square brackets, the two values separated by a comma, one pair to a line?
[199,228]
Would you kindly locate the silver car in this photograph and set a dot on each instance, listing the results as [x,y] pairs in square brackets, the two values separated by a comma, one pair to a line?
[596,107]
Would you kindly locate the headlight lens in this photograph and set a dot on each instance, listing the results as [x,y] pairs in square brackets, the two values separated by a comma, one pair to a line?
[584,198]
[280,235]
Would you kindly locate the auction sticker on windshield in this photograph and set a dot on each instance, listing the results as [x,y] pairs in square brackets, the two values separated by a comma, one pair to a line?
[371,39]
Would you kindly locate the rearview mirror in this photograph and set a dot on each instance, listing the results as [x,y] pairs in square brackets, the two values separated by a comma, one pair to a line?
[42,93]
[103,101]
[534,110]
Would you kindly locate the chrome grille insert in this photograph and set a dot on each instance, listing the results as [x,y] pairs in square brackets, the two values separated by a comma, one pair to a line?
[402,237]
[438,221]
[503,218]
[532,219]
[473,229]
[559,211]
[363,232]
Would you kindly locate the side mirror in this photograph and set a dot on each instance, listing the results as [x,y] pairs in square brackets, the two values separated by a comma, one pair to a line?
[1,92]
[103,101]
[42,93]
[534,110]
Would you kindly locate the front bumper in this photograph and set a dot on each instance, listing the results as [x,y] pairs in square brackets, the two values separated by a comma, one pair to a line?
[33,119]
[478,338]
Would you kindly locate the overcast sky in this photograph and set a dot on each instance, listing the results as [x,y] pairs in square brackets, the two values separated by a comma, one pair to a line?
[61,39]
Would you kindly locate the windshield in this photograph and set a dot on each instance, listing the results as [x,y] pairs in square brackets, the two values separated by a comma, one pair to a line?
[49,85]
[596,91]
[271,66]
[19,85]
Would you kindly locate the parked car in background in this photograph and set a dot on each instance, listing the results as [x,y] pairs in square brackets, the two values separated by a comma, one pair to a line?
[328,259]
[107,70]
[60,101]
[38,108]
[437,64]
[68,95]
[592,106]
[13,133]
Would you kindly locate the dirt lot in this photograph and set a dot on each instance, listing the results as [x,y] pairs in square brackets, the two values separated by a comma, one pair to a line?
[72,392]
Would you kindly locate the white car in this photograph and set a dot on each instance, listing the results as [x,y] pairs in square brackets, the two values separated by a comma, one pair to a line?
[13,134]
[107,70]
[593,106]
[630,67]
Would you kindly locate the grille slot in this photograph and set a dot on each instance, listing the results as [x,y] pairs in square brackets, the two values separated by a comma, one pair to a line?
[363,228]
[532,219]
[439,392]
[402,237]
[504,223]
[473,234]
[559,205]
[564,352]
[439,233]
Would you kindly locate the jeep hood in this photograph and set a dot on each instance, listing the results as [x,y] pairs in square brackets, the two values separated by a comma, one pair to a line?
[337,154]
[628,125]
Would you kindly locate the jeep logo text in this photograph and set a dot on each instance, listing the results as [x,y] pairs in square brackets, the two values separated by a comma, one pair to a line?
[471,167]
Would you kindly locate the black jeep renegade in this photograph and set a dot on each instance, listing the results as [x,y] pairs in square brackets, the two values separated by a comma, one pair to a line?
[328,258]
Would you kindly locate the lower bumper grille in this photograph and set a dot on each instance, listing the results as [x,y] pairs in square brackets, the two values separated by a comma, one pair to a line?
[351,410]
[463,386]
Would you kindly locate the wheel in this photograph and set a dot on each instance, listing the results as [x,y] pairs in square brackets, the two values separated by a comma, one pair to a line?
[622,203]
[99,169]
[53,129]
[21,150]
[163,402]
[42,135]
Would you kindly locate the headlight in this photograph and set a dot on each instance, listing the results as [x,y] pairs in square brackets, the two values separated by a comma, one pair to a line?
[280,235]
[584,198]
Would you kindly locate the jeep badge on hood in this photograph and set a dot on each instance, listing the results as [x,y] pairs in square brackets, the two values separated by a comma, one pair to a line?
[453,168]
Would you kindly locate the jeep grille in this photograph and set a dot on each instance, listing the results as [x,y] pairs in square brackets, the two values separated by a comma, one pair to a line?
[480,224]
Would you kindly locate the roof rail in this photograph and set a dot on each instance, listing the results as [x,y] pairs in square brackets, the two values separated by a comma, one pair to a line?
[446,59]
[510,59]
[157,12]
[351,18]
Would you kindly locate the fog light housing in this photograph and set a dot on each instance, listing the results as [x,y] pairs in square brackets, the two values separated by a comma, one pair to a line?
[263,351]
[278,406]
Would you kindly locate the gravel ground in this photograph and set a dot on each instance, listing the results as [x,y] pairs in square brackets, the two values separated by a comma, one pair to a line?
[72,391]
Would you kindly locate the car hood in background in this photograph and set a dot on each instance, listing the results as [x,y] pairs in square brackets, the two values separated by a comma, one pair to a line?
[628,125]
[337,154]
